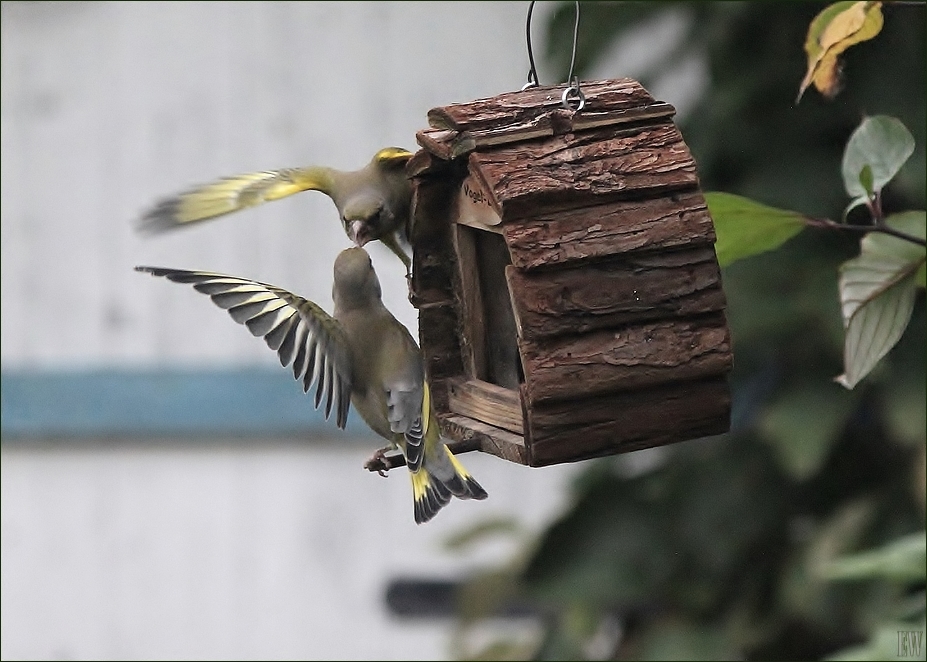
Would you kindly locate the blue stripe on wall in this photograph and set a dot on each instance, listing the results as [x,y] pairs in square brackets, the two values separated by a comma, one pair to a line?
[161,403]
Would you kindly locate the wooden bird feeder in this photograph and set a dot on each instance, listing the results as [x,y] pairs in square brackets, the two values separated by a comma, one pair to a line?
[569,296]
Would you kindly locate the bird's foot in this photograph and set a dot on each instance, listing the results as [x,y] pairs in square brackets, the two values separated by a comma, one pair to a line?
[378,462]
[409,285]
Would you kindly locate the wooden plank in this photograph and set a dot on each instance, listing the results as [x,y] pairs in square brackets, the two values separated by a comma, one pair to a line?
[431,280]
[439,142]
[424,163]
[554,123]
[493,440]
[587,119]
[625,359]
[582,169]
[473,337]
[433,260]
[629,289]
[617,423]
[438,338]
[495,405]
[521,107]
[591,232]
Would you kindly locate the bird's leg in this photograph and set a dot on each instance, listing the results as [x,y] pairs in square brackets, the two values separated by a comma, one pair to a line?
[378,461]
[391,241]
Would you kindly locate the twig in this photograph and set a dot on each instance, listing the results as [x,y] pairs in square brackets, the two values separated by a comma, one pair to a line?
[878,227]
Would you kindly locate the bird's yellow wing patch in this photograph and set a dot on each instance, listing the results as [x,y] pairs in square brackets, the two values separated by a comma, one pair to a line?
[231,194]
[390,156]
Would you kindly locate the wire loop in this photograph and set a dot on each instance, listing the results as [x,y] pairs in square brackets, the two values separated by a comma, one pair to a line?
[573,94]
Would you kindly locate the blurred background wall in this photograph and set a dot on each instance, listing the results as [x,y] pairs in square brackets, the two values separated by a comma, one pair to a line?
[167,490]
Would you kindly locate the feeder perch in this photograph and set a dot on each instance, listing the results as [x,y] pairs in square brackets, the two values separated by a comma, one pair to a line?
[569,297]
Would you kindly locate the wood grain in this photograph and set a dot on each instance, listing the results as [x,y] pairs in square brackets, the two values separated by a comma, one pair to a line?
[433,261]
[472,310]
[605,266]
[633,288]
[620,422]
[493,440]
[582,169]
[593,232]
[439,340]
[630,358]
[521,107]
[489,403]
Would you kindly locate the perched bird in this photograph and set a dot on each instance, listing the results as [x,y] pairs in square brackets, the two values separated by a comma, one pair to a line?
[362,356]
[373,202]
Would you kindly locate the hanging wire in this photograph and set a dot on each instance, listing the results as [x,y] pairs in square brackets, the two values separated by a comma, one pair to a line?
[533,71]
[575,40]
[573,95]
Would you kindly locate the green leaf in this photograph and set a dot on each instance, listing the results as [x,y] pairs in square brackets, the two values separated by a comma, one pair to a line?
[904,560]
[882,144]
[866,179]
[877,291]
[803,424]
[744,227]
[667,639]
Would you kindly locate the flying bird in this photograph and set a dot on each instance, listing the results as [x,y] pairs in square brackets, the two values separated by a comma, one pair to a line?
[373,202]
[361,356]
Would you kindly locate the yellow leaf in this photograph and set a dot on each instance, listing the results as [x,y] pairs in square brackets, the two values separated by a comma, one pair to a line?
[835,29]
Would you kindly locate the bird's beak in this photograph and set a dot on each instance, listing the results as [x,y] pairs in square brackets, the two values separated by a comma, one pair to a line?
[358,232]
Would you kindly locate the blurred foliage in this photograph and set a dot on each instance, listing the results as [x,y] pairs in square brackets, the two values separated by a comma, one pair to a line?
[733,546]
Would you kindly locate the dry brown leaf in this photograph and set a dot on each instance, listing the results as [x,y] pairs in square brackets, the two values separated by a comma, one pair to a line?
[835,29]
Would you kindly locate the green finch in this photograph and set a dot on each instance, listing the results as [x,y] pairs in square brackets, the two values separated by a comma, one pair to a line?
[373,202]
[360,356]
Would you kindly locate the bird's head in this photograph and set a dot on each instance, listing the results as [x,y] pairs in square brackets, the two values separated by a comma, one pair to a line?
[366,219]
[355,280]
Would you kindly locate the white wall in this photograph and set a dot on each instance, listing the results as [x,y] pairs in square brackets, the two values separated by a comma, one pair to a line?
[109,106]
[233,550]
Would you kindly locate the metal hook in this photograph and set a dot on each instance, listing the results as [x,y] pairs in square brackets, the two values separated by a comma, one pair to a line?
[573,93]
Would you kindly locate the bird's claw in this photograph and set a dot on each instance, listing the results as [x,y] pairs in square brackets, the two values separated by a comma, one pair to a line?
[377,462]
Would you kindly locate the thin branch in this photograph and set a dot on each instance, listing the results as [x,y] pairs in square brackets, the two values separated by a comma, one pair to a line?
[878,227]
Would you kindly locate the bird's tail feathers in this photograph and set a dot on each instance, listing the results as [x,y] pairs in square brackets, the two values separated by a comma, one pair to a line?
[429,496]
[430,493]
[462,485]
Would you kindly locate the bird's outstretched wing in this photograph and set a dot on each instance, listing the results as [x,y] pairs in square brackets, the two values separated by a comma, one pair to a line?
[297,329]
[231,194]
